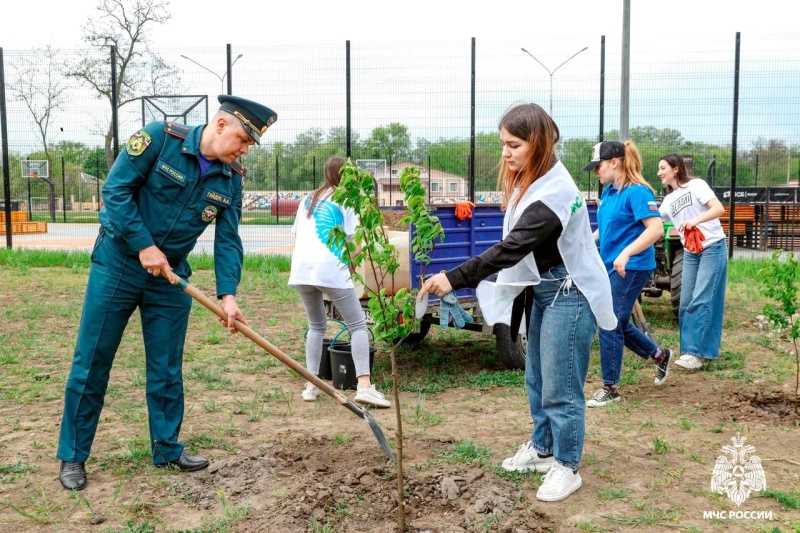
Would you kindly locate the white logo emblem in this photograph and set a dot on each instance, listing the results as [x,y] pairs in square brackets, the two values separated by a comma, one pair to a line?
[738,475]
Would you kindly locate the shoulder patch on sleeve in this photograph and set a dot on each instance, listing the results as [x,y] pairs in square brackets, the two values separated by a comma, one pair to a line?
[138,143]
[176,130]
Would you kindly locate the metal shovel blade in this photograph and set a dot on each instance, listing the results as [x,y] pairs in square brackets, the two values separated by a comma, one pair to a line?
[363,412]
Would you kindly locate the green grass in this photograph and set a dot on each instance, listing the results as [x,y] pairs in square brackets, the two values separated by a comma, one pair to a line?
[789,500]
[466,452]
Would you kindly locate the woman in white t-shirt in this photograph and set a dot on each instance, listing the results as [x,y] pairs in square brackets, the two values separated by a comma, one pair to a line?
[692,204]
[317,268]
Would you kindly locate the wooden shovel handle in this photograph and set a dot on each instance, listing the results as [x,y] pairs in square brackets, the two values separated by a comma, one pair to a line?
[272,349]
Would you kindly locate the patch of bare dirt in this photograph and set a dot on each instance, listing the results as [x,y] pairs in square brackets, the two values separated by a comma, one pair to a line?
[295,481]
[772,403]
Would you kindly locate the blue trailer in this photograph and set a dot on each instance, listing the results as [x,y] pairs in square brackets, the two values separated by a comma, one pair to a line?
[465,239]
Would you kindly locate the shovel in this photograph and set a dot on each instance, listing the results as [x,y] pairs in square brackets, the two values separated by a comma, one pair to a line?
[361,412]
[641,322]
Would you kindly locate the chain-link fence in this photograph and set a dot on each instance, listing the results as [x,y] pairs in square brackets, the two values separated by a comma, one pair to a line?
[435,105]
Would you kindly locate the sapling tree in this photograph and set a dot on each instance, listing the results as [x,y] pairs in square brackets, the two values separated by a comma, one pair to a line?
[781,282]
[391,308]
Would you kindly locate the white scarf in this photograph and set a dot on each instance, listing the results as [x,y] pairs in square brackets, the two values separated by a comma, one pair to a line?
[558,191]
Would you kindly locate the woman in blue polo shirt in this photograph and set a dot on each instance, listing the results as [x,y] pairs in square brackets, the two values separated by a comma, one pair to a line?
[628,224]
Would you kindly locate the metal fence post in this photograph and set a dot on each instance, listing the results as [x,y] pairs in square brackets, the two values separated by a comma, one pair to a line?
[63,191]
[602,103]
[429,178]
[732,204]
[97,181]
[348,111]
[30,211]
[277,191]
[230,69]
[4,134]
[114,109]
[472,128]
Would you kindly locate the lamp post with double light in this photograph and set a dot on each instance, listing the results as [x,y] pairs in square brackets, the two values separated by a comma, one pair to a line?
[220,78]
[554,70]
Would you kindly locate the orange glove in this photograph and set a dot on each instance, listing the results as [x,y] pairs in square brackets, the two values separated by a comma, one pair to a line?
[464,210]
[694,240]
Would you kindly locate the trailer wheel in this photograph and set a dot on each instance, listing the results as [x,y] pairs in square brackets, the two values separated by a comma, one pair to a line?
[675,283]
[512,354]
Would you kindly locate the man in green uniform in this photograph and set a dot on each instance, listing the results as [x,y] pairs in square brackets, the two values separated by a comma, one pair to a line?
[163,191]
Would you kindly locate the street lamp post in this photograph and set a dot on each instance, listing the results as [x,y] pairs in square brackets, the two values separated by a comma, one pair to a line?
[220,78]
[554,71]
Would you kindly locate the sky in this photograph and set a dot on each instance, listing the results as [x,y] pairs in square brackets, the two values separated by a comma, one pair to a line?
[397,44]
[297,22]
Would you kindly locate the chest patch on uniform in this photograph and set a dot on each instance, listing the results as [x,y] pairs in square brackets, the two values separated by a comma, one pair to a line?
[218,198]
[171,173]
[209,213]
[138,143]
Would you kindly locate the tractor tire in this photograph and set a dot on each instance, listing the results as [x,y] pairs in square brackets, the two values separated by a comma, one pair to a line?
[512,354]
[675,282]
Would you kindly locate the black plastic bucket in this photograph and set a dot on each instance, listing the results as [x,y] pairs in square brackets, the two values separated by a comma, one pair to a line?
[342,367]
[325,361]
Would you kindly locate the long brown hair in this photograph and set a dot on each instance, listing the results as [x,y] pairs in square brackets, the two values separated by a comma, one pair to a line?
[676,161]
[632,168]
[332,178]
[531,123]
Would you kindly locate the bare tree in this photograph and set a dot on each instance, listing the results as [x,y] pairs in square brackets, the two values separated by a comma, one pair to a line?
[124,25]
[40,85]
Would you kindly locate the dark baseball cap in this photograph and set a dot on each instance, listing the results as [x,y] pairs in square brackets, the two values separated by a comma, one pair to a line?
[604,151]
[255,118]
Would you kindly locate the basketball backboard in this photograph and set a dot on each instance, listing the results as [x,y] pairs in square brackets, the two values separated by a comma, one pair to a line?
[35,168]
[376,166]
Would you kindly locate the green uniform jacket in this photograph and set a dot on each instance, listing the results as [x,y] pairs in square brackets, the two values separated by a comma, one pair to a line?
[154,195]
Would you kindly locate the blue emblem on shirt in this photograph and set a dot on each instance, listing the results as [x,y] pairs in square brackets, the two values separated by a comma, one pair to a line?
[327,215]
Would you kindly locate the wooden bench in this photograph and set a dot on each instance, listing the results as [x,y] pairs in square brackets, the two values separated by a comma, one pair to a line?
[744,213]
[16,216]
[19,228]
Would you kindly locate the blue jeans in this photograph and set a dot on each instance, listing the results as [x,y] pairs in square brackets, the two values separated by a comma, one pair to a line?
[703,300]
[624,291]
[559,340]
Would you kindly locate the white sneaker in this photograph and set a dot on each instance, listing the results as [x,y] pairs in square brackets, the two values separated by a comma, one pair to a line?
[558,483]
[310,392]
[371,396]
[527,460]
[690,362]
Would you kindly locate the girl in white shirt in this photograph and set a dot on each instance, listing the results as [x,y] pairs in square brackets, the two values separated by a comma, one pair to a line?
[316,268]
[692,204]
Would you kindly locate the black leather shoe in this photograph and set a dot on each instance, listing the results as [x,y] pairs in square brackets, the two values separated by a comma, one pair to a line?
[187,463]
[72,475]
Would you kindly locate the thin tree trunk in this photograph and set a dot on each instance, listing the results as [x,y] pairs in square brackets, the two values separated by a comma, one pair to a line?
[109,141]
[401,506]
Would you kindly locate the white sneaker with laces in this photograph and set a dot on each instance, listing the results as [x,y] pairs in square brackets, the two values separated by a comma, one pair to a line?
[690,362]
[558,484]
[527,460]
[310,392]
[371,396]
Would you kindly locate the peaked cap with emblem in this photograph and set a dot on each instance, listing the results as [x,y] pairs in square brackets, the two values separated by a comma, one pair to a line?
[255,118]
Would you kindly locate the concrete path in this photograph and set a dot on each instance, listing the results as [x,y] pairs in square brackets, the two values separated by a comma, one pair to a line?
[261,239]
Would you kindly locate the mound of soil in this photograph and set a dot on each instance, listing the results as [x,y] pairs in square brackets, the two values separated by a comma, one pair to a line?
[770,403]
[297,481]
